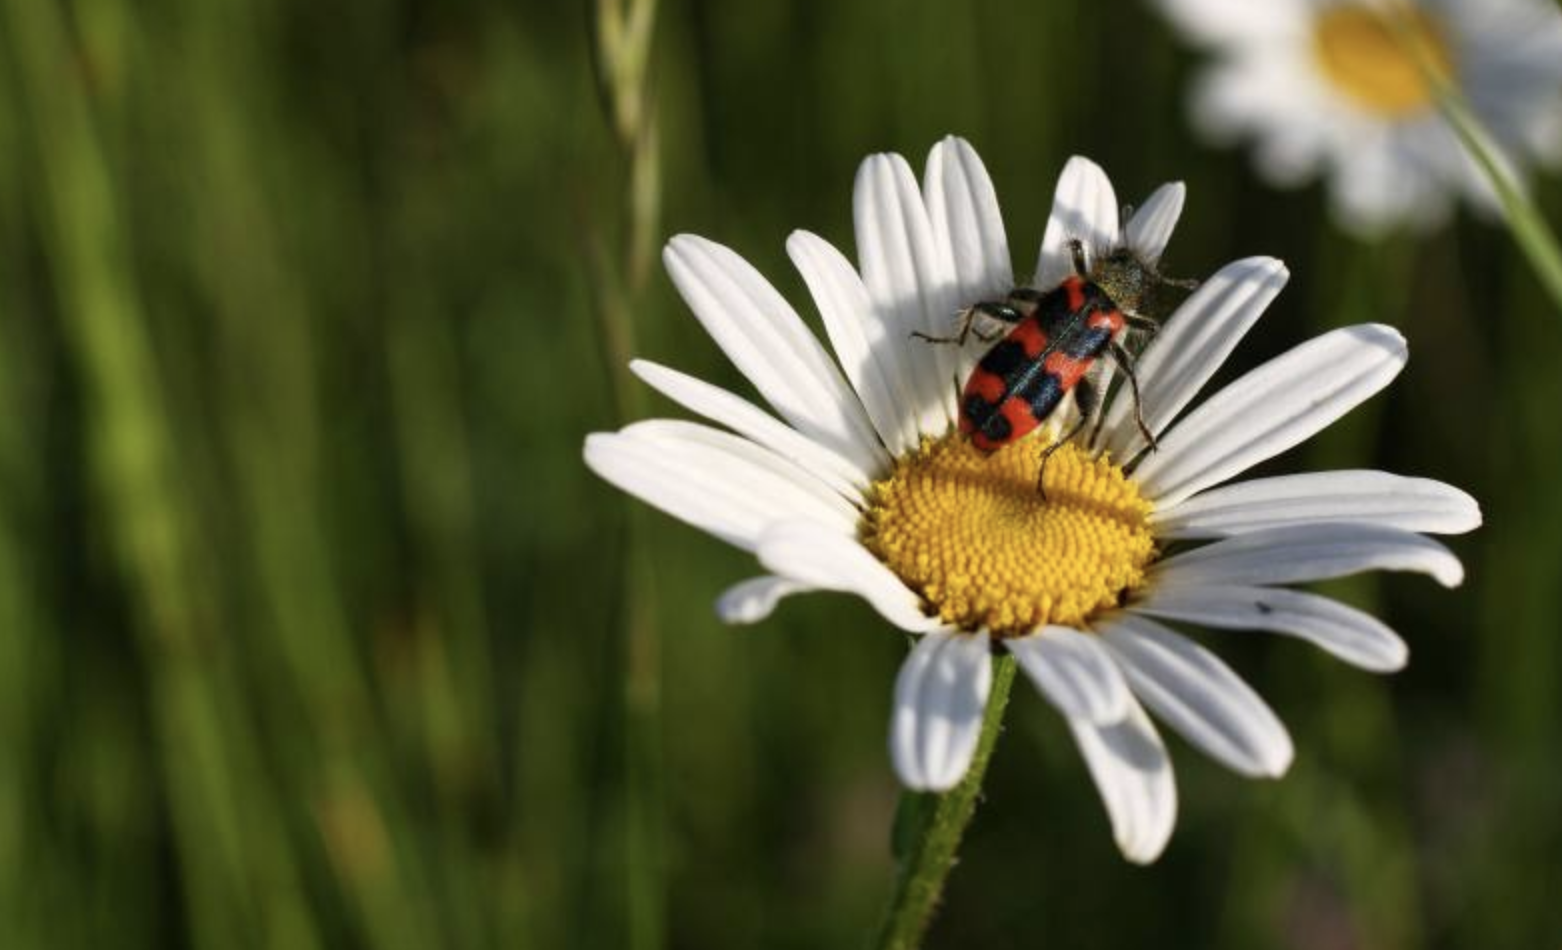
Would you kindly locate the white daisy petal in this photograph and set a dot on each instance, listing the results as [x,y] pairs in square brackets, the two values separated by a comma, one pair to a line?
[1374,186]
[679,436]
[1361,497]
[823,559]
[1152,224]
[747,419]
[1133,774]
[1310,552]
[768,342]
[635,467]
[871,348]
[940,696]
[717,482]
[755,599]
[1358,638]
[1074,671]
[1199,696]
[963,209]
[1217,22]
[910,283]
[1194,343]
[1084,208]
[1274,407]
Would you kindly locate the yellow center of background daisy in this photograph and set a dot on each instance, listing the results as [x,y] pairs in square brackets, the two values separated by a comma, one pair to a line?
[974,537]
[1372,61]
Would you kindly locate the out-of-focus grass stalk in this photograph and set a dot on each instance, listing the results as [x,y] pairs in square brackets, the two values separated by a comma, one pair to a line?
[1364,838]
[1376,849]
[1518,583]
[23,678]
[621,47]
[223,824]
[622,55]
[335,758]
[455,703]
[18,665]
[1510,868]
[928,830]
[1524,220]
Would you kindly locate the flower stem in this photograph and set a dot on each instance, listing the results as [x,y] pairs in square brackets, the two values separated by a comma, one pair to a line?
[1529,228]
[1524,220]
[928,830]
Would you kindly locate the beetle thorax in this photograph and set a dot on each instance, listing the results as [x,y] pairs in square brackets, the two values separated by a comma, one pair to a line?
[1137,287]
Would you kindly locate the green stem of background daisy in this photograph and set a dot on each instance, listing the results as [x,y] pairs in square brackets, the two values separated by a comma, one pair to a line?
[928,830]
[1524,220]
[621,49]
[1529,228]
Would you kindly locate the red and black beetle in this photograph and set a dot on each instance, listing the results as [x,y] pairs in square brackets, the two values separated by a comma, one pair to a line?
[1057,337]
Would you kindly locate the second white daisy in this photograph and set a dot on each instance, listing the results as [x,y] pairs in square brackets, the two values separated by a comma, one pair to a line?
[1329,87]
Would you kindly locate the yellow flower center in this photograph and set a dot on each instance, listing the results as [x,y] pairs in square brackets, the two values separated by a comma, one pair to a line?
[1373,60]
[974,537]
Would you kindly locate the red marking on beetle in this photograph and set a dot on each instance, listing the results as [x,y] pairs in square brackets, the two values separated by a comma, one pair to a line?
[1074,286]
[1106,320]
[1030,335]
[987,385]
[1021,419]
[1065,369]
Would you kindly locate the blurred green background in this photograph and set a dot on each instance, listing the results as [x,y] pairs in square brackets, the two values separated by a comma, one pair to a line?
[313,625]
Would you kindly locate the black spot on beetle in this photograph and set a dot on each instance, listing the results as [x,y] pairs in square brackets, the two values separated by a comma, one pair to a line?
[1005,359]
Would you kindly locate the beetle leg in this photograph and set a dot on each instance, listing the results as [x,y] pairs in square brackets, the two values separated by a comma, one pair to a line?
[1141,323]
[1126,361]
[1085,400]
[1141,329]
[1103,381]
[996,311]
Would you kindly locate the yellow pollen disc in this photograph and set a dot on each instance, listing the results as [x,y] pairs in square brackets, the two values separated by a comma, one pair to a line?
[1373,63]
[974,537]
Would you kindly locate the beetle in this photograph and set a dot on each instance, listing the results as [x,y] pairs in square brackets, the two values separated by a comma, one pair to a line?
[1056,337]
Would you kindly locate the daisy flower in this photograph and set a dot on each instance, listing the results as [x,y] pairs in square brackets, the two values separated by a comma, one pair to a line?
[1326,87]
[861,482]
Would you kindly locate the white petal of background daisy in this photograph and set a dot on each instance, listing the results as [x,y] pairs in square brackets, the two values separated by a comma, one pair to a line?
[864,484]
[1324,87]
